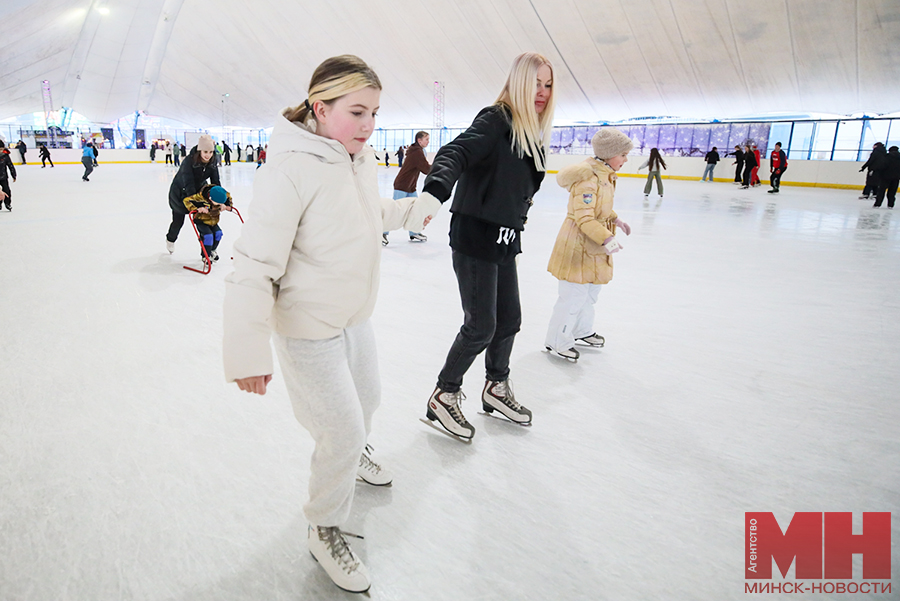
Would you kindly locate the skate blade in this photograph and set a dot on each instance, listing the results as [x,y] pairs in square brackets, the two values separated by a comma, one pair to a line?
[553,353]
[503,418]
[446,432]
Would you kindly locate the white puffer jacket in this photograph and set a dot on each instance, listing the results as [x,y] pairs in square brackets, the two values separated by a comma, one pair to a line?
[307,262]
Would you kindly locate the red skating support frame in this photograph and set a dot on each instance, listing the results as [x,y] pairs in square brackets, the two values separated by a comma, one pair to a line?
[207,262]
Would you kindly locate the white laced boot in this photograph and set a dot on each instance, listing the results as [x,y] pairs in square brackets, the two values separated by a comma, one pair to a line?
[329,547]
[371,472]
[500,396]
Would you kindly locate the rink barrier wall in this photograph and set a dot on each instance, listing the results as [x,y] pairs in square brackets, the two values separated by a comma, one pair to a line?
[817,174]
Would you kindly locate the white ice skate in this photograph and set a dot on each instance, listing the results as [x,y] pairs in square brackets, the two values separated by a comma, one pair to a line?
[594,339]
[371,472]
[420,237]
[329,547]
[570,354]
[170,246]
[443,407]
[499,396]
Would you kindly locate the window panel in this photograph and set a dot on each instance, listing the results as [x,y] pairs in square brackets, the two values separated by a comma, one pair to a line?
[823,142]
[846,147]
[801,140]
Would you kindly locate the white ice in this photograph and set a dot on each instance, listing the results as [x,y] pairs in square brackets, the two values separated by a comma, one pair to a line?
[753,345]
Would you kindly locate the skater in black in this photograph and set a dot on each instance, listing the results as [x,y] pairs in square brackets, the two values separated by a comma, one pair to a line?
[195,170]
[739,161]
[875,158]
[749,164]
[96,153]
[6,169]
[22,150]
[45,156]
[497,165]
[892,175]
[226,152]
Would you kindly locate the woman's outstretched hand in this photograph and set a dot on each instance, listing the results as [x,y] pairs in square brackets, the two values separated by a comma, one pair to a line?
[255,384]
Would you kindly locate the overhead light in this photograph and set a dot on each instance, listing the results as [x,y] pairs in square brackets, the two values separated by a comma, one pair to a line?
[103,10]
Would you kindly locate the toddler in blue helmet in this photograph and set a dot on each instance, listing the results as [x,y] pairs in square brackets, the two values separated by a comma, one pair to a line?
[208,203]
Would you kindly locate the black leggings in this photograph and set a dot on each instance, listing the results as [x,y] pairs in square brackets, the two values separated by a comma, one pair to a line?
[44,161]
[490,300]
[175,226]
[4,185]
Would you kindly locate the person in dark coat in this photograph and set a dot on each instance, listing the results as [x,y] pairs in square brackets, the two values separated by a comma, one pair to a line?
[153,152]
[739,161]
[45,156]
[892,175]
[176,154]
[237,147]
[886,174]
[712,157]
[22,148]
[226,152]
[749,165]
[497,166]
[6,169]
[874,165]
[777,167]
[96,154]
[406,181]
[400,153]
[196,169]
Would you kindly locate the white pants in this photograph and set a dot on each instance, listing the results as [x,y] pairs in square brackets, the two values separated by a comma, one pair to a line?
[335,389]
[573,315]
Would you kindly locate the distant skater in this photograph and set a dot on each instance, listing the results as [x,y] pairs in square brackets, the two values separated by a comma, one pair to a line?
[653,163]
[45,156]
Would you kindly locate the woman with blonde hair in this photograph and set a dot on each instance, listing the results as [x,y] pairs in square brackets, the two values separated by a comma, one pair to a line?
[307,266]
[497,166]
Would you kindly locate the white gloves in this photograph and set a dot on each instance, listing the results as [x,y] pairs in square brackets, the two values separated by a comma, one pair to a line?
[423,207]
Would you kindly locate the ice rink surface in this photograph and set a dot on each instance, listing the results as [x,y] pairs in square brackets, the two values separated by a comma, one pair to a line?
[751,364]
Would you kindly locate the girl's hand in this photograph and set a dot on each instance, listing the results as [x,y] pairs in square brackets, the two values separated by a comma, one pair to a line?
[623,226]
[255,384]
[427,221]
[203,210]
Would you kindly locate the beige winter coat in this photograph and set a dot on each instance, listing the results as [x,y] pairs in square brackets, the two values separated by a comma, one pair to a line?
[307,262]
[578,255]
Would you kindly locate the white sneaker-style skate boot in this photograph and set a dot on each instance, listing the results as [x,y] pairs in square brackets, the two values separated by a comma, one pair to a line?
[371,472]
[170,246]
[500,396]
[329,547]
[594,339]
[419,237]
[571,354]
[444,407]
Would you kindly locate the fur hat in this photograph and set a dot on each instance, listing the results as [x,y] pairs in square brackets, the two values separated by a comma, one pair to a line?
[218,194]
[609,142]
[205,143]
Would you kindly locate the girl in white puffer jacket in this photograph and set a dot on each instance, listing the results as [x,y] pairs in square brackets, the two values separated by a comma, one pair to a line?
[307,266]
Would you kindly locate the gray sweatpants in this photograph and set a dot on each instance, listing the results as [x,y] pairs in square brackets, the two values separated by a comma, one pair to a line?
[335,388]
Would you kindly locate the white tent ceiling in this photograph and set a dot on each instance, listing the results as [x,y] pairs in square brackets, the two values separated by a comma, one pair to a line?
[613,59]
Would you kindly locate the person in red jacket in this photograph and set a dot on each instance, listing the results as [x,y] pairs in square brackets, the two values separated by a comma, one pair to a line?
[777,166]
[754,175]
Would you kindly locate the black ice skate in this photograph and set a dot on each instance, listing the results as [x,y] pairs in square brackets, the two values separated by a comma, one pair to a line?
[499,396]
[443,407]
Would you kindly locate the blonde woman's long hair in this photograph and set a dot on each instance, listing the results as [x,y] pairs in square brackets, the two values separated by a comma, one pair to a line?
[530,131]
[335,77]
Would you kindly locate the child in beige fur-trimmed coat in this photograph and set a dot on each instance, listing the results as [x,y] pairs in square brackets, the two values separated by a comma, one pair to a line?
[582,256]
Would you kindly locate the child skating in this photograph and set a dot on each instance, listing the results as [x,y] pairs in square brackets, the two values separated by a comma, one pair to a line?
[208,203]
[582,256]
[306,269]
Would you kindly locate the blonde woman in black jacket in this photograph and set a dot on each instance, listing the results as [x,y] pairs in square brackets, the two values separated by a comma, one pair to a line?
[497,166]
